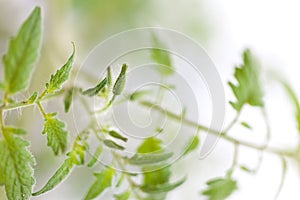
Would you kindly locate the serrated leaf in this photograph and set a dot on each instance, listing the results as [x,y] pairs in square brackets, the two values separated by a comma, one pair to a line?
[193,144]
[16,167]
[117,135]
[162,57]
[112,144]
[22,54]
[150,158]
[248,90]
[61,75]
[160,188]
[120,82]
[56,134]
[95,90]
[68,100]
[123,196]
[220,188]
[62,172]
[103,181]
[95,157]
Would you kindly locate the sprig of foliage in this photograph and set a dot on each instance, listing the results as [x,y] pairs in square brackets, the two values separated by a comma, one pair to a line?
[155,180]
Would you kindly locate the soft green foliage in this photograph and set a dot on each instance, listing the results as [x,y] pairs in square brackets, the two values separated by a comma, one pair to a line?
[16,166]
[123,196]
[193,144]
[33,98]
[248,90]
[59,175]
[95,90]
[22,54]
[68,100]
[220,188]
[117,135]
[150,158]
[162,57]
[75,157]
[14,130]
[56,134]
[95,157]
[113,145]
[295,101]
[120,82]
[61,75]
[160,188]
[246,125]
[103,181]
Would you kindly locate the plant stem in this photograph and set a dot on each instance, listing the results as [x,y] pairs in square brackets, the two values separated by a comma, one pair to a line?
[221,134]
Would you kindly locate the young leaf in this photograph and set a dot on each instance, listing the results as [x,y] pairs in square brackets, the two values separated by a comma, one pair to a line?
[22,54]
[193,144]
[16,167]
[103,181]
[68,100]
[150,158]
[33,98]
[123,196]
[220,188]
[61,75]
[95,90]
[56,135]
[246,125]
[109,77]
[57,178]
[295,101]
[117,135]
[17,131]
[162,57]
[120,82]
[150,145]
[95,157]
[112,144]
[248,90]
[160,188]
[138,94]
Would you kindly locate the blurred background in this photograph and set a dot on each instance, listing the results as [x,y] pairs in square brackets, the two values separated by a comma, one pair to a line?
[224,28]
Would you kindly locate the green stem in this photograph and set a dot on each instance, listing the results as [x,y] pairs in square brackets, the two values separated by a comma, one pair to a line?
[41,109]
[222,134]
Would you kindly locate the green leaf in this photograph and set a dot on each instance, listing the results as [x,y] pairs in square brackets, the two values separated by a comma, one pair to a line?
[193,144]
[246,125]
[150,158]
[246,169]
[22,54]
[123,196]
[220,188]
[68,100]
[293,96]
[162,57]
[139,94]
[33,98]
[248,90]
[94,160]
[150,145]
[56,135]
[61,75]
[160,188]
[112,144]
[103,181]
[57,178]
[109,77]
[120,82]
[117,135]
[95,90]
[17,131]
[16,171]
[2,86]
